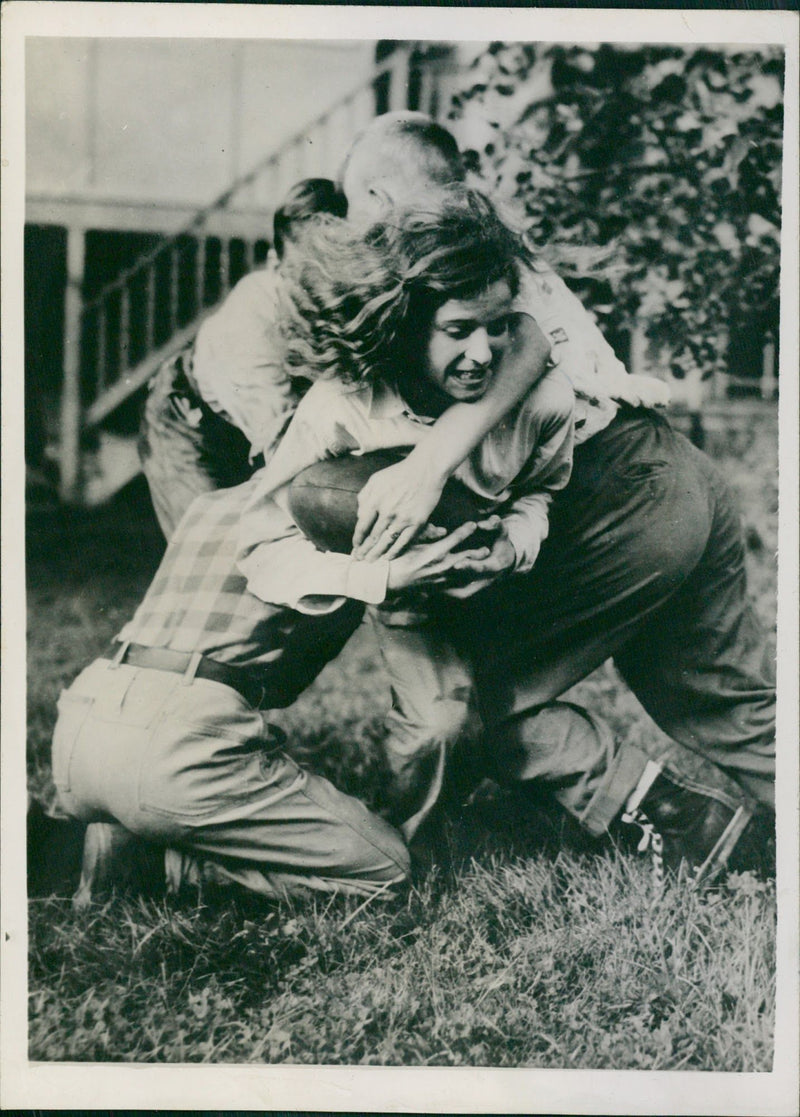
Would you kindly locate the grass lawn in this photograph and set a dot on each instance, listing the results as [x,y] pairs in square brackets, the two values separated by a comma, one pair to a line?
[522,949]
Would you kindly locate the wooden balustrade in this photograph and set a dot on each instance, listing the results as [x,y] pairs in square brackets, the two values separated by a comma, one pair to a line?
[115,341]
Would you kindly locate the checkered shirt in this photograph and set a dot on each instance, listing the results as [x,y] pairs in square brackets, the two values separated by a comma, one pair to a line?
[199,602]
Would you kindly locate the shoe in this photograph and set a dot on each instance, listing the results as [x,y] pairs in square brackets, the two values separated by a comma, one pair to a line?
[115,859]
[755,851]
[688,829]
[55,848]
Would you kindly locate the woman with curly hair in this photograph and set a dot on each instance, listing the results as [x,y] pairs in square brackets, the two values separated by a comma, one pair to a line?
[403,326]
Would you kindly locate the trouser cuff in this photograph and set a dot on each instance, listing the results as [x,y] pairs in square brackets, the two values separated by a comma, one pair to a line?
[621,778]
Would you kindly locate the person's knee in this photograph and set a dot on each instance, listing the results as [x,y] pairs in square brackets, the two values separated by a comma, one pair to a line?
[343,838]
[670,546]
[375,852]
[440,725]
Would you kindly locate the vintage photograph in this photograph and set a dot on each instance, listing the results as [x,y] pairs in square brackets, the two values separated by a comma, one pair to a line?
[401,474]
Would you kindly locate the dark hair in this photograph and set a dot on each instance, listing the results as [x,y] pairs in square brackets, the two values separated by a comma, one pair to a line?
[307,198]
[364,303]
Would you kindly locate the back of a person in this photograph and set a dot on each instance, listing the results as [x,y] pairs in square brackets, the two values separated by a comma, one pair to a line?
[198,600]
[237,363]
[578,347]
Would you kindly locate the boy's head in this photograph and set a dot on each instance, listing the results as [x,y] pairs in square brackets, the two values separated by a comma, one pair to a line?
[400,159]
[306,199]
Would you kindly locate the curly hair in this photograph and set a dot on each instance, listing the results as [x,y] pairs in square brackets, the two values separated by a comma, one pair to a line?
[363,302]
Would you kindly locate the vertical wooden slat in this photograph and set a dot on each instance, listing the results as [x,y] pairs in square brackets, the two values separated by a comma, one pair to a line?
[150,309]
[398,80]
[427,91]
[124,330]
[173,290]
[70,432]
[200,274]
[249,255]
[224,266]
[102,348]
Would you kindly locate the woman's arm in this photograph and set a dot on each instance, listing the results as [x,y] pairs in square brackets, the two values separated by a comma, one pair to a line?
[524,522]
[398,500]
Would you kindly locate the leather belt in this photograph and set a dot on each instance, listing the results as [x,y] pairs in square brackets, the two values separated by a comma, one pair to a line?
[251,689]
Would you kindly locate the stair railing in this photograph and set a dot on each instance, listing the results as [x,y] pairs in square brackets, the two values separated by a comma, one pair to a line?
[155,307]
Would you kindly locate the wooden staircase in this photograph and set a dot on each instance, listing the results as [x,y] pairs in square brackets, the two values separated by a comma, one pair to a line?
[116,341]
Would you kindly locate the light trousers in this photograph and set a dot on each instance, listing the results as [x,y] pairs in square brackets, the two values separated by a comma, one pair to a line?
[191,765]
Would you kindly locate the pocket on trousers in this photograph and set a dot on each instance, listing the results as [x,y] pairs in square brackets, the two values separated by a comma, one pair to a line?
[73,710]
[192,773]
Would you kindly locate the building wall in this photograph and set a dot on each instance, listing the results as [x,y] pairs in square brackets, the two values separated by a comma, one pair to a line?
[171,121]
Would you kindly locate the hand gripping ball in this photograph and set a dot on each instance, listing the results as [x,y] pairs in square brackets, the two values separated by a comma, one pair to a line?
[323,500]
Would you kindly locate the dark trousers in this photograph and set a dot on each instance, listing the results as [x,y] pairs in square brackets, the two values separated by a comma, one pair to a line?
[645,564]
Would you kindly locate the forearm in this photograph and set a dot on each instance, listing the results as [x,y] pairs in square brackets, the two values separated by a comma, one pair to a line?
[294,573]
[459,430]
[283,567]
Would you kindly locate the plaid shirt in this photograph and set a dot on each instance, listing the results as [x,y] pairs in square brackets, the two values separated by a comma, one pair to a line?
[198,600]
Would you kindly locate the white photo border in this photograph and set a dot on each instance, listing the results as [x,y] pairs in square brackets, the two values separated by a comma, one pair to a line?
[370,1089]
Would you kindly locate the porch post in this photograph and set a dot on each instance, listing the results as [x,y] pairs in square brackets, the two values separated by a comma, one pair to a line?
[70,432]
[769,381]
[398,78]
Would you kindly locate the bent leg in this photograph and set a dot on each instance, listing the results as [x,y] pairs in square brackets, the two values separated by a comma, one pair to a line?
[432,709]
[194,767]
[644,563]
[572,754]
[627,532]
[701,667]
[301,832]
[184,447]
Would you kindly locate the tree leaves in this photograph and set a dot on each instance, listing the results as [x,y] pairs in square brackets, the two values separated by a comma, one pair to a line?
[669,156]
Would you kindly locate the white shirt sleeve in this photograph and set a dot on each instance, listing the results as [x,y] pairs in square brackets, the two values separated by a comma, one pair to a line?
[550,432]
[281,565]
[284,568]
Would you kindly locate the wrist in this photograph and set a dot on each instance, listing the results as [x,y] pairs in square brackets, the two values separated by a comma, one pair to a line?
[519,553]
[426,463]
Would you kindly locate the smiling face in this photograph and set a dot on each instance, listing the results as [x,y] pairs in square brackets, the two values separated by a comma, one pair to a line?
[466,340]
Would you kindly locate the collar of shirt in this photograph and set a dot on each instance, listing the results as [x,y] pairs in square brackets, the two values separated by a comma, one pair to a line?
[385,402]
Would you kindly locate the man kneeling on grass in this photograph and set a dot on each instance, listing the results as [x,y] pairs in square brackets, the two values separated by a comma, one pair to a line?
[163,741]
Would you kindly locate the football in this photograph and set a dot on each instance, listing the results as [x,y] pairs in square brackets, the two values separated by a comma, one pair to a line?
[323,500]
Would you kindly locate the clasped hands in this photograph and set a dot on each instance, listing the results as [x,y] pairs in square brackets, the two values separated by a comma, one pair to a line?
[441,561]
[419,553]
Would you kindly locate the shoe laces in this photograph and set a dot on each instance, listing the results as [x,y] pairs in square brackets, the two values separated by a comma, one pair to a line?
[650,840]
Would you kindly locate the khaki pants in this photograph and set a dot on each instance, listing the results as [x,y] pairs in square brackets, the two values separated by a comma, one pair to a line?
[191,765]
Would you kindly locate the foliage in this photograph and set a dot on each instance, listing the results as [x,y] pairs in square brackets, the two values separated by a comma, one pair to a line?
[668,156]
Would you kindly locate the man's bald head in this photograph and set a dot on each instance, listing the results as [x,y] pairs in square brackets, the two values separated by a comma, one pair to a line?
[400,159]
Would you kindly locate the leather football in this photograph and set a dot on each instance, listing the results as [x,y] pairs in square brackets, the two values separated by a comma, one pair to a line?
[323,501]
